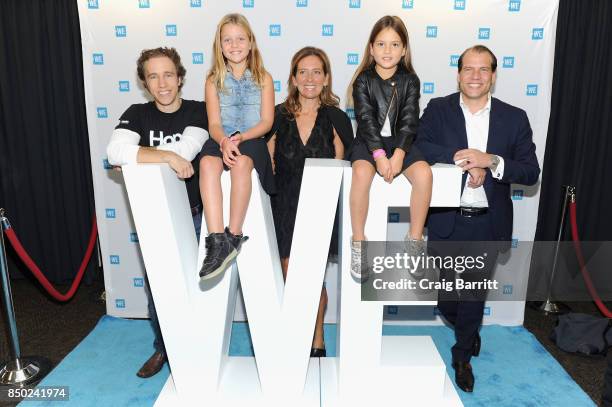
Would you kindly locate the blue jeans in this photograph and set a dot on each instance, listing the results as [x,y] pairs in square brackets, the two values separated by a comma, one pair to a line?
[158,343]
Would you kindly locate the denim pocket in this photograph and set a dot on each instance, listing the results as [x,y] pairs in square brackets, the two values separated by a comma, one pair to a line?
[226,97]
[252,95]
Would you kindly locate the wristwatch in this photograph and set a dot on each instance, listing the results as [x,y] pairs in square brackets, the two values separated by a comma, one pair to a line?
[494,162]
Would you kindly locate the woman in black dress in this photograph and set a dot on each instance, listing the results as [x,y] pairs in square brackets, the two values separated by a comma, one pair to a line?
[308,124]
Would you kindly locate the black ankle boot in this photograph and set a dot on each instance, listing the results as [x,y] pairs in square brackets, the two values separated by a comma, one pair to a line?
[219,254]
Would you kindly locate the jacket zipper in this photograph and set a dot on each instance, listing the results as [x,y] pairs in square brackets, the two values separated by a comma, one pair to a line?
[390,103]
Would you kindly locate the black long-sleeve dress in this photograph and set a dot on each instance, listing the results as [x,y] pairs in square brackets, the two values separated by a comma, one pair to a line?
[290,155]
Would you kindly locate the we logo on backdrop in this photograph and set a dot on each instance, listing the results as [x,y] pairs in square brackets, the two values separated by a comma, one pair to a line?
[508,62]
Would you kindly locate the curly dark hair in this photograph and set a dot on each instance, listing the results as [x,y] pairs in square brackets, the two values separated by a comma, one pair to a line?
[171,53]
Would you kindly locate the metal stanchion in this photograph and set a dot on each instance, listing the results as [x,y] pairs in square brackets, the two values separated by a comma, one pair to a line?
[549,306]
[18,371]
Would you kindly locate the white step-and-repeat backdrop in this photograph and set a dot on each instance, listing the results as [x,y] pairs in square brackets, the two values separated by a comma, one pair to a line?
[520,32]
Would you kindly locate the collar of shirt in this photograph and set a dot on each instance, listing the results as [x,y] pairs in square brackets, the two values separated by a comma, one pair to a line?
[485,109]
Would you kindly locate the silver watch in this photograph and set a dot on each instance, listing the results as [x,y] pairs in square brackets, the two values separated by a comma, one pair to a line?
[494,162]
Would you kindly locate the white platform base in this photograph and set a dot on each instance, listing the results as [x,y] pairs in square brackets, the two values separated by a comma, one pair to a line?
[240,387]
[428,383]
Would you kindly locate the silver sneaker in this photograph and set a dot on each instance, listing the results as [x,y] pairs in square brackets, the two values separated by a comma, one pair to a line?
[417,250]
[358,271]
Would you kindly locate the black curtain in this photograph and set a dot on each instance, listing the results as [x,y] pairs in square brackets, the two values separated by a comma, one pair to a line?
[579,141]
[45,169]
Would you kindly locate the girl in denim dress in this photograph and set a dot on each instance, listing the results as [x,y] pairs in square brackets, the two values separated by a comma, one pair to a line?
[239,97]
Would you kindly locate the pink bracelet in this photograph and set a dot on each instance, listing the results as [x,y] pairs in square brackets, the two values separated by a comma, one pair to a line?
[379,153]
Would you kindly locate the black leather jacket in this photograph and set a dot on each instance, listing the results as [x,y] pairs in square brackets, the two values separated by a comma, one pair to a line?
[399,96]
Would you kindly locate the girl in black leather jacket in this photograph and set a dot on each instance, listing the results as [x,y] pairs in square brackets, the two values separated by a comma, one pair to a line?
[386,101]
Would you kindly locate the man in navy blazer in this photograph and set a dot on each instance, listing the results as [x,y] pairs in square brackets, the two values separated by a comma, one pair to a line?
[492,142]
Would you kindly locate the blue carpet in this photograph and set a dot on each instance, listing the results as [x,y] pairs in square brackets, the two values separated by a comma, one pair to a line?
[101,370]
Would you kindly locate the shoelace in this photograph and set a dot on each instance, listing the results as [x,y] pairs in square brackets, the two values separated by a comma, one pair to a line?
[212,251]
[356,255]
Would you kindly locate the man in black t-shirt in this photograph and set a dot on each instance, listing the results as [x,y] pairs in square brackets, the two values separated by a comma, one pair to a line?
[167,130]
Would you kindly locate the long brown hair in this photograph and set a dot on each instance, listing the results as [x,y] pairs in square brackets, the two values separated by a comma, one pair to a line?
[218,70]
[397,25]
[327,97]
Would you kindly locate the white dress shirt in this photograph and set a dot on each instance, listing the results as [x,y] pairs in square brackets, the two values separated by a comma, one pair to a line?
[477,129]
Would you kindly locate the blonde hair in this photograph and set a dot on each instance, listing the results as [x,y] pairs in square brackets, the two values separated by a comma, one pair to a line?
[218,69]
[327,97]
[397,25]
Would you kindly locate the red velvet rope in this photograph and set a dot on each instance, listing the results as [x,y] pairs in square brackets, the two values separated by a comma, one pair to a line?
[585,274]
[12,237]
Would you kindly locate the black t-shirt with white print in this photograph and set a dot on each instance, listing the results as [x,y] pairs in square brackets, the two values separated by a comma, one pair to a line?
[158,128]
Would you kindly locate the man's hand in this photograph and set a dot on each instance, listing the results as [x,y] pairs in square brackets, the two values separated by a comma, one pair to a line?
[383,167]
[397,160]
[472,158]
[230,151]
[477,177]
[182,167]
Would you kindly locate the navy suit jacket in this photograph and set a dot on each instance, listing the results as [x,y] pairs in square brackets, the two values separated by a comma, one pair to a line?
[442,133]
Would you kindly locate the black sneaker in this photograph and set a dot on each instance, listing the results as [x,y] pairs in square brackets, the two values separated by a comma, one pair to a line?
[219,254]
[235,240]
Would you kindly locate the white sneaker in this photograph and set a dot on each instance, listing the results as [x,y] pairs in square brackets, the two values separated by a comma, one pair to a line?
[358,269]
